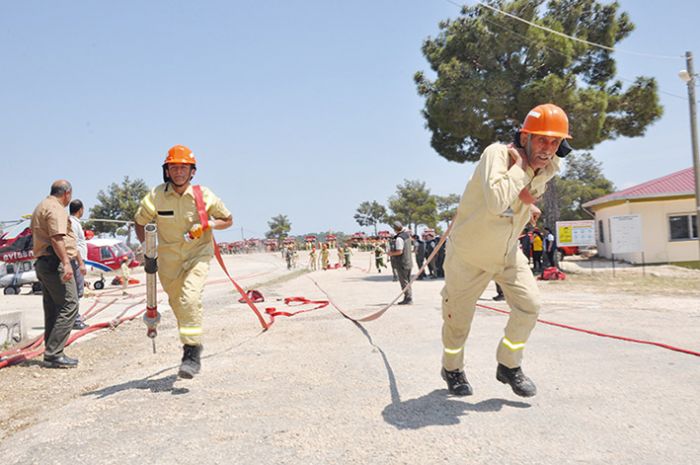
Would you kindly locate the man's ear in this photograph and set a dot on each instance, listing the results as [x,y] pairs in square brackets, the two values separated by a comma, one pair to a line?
[523,140]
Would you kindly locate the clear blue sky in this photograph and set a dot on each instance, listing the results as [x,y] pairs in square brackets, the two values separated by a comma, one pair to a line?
[304,108]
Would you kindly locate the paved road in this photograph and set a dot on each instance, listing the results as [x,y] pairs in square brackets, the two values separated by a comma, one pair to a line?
[318,389]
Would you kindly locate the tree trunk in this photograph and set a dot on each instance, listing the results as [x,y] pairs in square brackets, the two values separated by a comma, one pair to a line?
[550,205]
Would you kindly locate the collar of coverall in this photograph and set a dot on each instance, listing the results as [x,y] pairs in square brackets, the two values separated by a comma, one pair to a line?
[170,189]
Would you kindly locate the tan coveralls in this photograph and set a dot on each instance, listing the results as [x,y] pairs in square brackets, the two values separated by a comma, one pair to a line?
[182,266]
[483,246]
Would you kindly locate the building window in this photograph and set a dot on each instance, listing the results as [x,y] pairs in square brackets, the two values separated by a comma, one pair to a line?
[601,235]
[683,227]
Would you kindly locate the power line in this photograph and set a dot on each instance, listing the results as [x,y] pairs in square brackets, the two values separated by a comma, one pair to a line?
[561,34]
[552,49]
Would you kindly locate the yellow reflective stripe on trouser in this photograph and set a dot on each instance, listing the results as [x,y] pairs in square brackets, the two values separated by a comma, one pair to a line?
[191,330]
[453,351]
[513,345]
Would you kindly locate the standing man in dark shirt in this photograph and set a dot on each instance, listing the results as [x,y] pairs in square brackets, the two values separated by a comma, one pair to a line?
[420,254]
[526,243]
[440,259]
[401,259]
[430,243]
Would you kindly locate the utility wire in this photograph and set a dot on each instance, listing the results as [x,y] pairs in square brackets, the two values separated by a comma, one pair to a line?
[554,50]
[552,31]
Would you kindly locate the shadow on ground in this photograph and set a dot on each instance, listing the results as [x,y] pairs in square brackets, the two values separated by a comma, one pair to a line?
[149,383]
[388,278]
[437,408]
[164,384]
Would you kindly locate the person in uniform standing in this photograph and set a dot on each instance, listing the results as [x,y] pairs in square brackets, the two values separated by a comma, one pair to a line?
[402,260]
[420,255]
[54,247]
[379,257]
[430,243]
[312,259]
[347,253]
[341,256]
[496,205]
[325,261]
[537,248]
[185,246]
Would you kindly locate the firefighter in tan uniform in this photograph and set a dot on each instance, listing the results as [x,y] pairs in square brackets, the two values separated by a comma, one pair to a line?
[497,203]
[184,246]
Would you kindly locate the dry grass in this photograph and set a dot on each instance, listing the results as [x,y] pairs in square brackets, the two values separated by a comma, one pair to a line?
[633,282]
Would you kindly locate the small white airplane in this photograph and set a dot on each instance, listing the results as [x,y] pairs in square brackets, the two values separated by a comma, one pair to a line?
[17,274]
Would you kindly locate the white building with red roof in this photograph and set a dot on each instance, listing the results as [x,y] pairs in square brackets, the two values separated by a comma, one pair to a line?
[666,206]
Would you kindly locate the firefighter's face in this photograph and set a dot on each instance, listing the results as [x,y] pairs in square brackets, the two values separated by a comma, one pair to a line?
[541,149]
[180,174]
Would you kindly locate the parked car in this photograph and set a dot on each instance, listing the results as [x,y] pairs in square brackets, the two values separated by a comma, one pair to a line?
[567,250]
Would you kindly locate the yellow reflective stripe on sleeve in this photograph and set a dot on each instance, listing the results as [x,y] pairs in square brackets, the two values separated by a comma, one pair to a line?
[513,345]
[148,204]
[190,330]
[453,351]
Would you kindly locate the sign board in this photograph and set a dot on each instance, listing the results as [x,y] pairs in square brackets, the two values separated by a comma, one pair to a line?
[575,233]
[626,234]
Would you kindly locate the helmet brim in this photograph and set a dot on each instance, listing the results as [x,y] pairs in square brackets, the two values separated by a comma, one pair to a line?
[562,135]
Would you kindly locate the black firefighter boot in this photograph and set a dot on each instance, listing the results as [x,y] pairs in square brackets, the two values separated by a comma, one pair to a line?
[521,384]
[457,382]
[190,361]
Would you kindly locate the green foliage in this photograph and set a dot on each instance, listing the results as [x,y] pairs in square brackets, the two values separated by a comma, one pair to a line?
[693,265]
[119,203]
[279,227]
[582,181]
[370,214]
[491,70]
[413,205]
[447,207]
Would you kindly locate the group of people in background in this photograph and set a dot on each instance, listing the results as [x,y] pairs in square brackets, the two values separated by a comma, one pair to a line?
[539,247]
[425,245]
[322,260]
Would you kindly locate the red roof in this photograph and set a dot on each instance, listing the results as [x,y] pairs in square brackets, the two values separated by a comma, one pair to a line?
[675,184]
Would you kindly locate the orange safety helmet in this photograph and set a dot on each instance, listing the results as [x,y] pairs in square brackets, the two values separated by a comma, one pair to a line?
[547,120]
[178,155]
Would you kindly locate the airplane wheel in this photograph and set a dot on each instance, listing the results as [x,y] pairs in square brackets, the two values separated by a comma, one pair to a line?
[36,288]
[99,285]
[9,290]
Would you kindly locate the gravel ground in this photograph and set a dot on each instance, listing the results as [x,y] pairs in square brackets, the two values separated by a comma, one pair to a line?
[319,389]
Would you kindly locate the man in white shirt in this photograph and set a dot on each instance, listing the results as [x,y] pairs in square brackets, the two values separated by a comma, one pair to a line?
[549,246]
[76,212]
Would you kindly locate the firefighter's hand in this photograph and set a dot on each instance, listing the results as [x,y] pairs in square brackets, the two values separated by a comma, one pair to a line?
[535,214]
[527,197]
[518,156]
[196,231]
